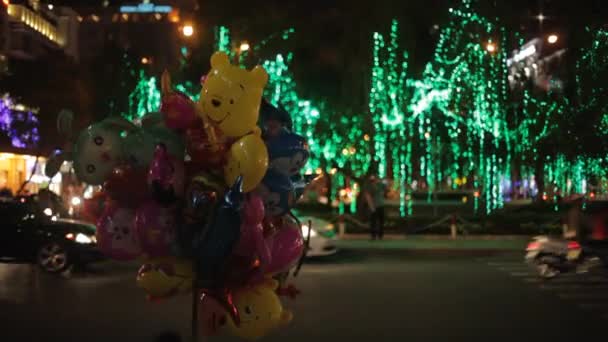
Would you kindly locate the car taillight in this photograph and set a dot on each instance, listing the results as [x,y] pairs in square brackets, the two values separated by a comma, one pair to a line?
[573,245]
[533,246]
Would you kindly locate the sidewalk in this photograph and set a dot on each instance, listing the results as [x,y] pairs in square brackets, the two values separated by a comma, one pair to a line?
[437,242]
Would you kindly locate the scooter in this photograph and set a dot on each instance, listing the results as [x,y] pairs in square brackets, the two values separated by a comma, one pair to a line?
[552,256]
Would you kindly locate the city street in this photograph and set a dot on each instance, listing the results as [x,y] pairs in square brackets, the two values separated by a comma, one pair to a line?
[358,295]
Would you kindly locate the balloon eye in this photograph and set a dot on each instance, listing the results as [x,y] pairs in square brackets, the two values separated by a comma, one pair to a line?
[98,140]
[231,101]
[248,310]
[90,168]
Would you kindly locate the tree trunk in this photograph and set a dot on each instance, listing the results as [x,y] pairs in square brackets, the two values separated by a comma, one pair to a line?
[539,176]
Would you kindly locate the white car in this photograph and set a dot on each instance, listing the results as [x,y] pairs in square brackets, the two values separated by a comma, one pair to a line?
[322,236]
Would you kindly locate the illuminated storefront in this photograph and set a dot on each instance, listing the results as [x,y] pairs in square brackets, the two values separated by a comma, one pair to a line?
[16,169]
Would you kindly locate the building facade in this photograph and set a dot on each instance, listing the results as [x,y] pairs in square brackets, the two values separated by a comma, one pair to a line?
[539,61]
[33,29]
[150,31]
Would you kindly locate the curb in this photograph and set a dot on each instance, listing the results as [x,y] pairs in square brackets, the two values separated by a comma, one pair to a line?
[438,237]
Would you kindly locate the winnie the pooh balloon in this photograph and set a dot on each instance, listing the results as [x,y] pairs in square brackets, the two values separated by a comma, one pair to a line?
[165,277]
[259,307]
[231,96]
[248,158]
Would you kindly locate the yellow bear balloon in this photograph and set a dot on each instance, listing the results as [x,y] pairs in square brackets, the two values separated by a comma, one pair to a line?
[231,96]
[247,157]
[165,277]
[260,310]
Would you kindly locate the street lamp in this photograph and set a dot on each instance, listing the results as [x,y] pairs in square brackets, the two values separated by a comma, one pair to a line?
[490,47]
[244,46]
[187,30]
[552,39]
[541,17]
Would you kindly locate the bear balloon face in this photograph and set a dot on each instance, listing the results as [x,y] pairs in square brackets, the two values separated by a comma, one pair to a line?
[259,308]
[290,165]
[116,234]
[231,96]
[288,153]
[164,277]
[97,151]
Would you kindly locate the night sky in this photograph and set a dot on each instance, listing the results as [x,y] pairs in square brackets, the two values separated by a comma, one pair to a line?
[332,44]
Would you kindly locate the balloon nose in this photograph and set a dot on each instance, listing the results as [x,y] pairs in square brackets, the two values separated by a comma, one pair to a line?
[216,103]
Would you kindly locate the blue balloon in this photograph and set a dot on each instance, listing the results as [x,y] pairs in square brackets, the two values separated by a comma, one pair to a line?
[277,192]
[287,153]
[269,112]
[215,244]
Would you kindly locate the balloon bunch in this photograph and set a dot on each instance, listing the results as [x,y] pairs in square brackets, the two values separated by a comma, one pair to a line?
[202,196]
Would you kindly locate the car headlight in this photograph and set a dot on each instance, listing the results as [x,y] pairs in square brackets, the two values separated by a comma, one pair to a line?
[81,238]
[305,231]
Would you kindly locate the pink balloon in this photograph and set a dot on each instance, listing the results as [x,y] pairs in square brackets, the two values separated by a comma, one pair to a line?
[178,110]
[166,174]
[251,243]
[116,235]
[155,227]
[286,248]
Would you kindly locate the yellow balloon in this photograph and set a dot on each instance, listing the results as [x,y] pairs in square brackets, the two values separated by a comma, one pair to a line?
[164,277]
[247,157]
[260,310]
[231,96]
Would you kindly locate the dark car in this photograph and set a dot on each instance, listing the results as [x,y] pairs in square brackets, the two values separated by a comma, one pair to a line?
[55,244]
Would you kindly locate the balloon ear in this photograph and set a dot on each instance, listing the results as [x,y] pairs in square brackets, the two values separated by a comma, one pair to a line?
[55,161]
[260,76]
[165,83]
[65,119]
[286,316]
[219,60]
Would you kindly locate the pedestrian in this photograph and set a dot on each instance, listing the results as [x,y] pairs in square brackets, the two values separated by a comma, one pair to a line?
[374,196]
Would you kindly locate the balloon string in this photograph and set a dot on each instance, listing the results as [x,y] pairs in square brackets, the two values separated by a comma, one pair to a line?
[306,245]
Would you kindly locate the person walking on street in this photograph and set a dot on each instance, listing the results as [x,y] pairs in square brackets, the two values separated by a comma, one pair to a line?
[374,196]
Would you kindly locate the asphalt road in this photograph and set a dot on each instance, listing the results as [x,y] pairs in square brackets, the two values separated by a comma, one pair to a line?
[359,295]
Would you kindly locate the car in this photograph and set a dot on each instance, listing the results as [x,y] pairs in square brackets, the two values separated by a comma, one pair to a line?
[55,244]
[322,236]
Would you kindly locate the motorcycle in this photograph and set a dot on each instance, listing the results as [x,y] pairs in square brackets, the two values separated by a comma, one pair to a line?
[552,256]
